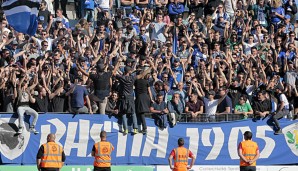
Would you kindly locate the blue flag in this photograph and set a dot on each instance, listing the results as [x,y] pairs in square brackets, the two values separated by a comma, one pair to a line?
[22,15]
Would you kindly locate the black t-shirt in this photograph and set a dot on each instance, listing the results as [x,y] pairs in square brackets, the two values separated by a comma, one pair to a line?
[41,105]
[211,6]
[141,86]
[224,104]
[58,103]
[101,83]
[126,85]
[235,93]
[44,16]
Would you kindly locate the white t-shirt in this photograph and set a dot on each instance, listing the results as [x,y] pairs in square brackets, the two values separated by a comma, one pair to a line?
[210,106]
[247,47]
[284,99]
[104,4]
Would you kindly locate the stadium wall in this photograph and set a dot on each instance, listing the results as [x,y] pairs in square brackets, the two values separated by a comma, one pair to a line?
[212,143]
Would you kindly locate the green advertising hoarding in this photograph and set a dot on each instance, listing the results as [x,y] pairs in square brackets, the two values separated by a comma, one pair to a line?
[78,168]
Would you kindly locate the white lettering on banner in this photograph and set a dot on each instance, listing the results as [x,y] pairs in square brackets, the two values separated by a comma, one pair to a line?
[193,134]
[205,137]
[83,138]
[46,129]
[121,145]
[94,134]
[231,168]
[233,140]
[219,138]
[79,169]
[161,146]
[108,126]
[136,144]
[269,142]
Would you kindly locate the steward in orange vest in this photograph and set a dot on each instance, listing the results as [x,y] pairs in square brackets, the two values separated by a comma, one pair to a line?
[50,156]
[180,156]
[248,152]
[101,151]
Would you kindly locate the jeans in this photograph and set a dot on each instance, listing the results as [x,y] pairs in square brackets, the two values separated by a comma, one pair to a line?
[29,111]
[102,106]
[161,120]
[279,115]
[89,15]
[80,110]
[129,118]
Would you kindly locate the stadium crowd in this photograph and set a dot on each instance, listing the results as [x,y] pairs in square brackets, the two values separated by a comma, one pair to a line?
[165,57]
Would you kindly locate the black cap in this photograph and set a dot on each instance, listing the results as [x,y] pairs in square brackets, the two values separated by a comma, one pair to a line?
[211,92]
[82,59]
[142,57]
[130,60]
[177,60]
[127,69]
[130,27]
[236,79]
[100,67]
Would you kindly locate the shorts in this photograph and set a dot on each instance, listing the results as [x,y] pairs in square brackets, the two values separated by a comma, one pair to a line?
[102,168]
[248,168]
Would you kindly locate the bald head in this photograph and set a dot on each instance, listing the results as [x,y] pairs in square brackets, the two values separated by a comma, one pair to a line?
[51,138]
[103,135]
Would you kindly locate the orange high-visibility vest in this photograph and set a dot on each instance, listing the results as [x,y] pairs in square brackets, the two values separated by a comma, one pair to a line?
[181,159]
[103,150]
[249,151]
[52,156]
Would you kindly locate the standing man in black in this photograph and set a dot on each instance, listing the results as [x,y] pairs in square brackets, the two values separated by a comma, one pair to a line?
[126,98]
[102,85]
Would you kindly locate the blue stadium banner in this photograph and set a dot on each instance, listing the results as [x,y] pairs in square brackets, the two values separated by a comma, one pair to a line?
[212,143]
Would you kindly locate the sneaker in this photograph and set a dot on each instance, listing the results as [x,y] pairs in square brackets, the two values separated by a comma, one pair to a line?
[20,131]
[144,131]
[135,131]
[125,132]
[278,132]
[33,130]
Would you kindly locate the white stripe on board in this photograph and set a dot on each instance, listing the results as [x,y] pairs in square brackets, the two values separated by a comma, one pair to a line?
[6,3]
[21,9]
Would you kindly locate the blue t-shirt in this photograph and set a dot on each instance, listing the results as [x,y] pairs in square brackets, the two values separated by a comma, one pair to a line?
[78,95]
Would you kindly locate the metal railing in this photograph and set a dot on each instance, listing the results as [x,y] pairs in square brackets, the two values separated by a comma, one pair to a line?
[187,117]
[184,117]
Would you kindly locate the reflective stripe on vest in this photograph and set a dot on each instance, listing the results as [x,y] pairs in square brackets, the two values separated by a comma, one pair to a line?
[102,160]
[51,159]
[181,161]
[101,155]
[249,154]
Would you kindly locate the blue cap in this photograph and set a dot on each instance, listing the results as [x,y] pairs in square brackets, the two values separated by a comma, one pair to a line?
[287,17]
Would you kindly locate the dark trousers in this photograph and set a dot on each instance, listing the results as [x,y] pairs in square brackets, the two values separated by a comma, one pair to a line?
[141,120]
[102,168]
[248,168]
[63,6]
[77,4]
[49,169]
[278,116]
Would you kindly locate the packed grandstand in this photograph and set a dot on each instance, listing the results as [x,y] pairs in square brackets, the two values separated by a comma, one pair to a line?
[176,60]
[124,61]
